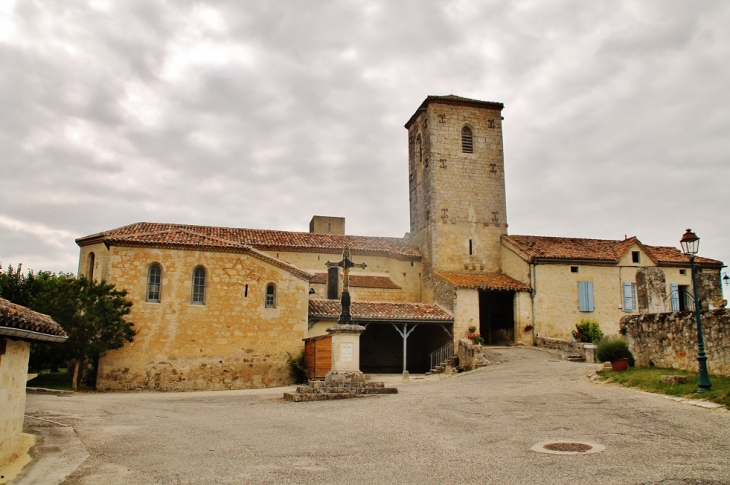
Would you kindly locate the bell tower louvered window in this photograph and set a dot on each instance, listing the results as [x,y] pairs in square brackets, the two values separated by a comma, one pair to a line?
[467,140]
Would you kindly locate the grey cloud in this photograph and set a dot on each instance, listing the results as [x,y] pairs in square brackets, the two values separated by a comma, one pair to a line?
[615,121]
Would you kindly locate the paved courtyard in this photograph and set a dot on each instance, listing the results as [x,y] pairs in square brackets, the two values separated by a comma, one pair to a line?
[476,427]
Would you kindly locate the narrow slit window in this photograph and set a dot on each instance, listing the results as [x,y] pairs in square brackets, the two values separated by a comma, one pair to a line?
[198,286]
[270,296]
[154,283]
[92,261]
[471,248]
[467,140]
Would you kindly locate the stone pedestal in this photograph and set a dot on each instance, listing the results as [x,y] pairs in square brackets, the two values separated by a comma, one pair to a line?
[345,353]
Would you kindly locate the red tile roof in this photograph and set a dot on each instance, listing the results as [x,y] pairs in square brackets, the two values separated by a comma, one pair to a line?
[361,281]
[604,250]
[380,311]
[493,281]
[670,255]
[233,239]
[32,325]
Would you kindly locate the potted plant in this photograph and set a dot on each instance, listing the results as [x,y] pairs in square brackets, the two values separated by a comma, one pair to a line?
[588,331]
[476,338]
[616,351]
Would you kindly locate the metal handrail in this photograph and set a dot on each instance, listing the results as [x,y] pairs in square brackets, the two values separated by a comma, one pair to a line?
[440,355]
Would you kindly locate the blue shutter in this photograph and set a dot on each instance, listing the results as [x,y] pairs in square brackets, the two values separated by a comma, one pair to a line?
[585,296]
[628,298]
[674,288]
[582,303]
[589,290]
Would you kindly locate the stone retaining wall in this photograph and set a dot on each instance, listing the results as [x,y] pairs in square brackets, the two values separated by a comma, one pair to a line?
[470,355]
[580,348]
[669,340]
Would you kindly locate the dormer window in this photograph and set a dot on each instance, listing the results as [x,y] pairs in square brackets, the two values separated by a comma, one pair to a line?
[467,140]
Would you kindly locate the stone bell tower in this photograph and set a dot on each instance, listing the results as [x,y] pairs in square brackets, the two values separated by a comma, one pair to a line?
[457,194]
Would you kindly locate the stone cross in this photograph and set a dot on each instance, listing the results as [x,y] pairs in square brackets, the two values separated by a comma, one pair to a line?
[346,263]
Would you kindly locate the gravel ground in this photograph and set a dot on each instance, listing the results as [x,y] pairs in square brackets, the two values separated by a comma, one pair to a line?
[477,427]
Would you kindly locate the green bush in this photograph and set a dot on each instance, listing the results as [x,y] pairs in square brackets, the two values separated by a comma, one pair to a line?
[614,348]
[588,331]
[297,368]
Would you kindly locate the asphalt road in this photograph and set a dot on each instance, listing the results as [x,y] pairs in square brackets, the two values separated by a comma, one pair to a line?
[477,427]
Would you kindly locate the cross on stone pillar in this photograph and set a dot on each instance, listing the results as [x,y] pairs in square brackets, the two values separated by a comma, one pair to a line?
[345,334]
[346,263]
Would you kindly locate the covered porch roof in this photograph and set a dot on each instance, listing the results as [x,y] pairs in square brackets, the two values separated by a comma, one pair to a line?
[368,311]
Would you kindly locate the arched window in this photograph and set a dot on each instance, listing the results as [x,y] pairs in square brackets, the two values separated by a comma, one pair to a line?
[199,286]
[92,261]
[154,283]
[270,296]
[467,141]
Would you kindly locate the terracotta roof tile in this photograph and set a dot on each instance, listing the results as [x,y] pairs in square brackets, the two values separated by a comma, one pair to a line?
[606,250]
[492,281]
[226,238]
[670,255]
[361,281]
[18,317]
[361,310]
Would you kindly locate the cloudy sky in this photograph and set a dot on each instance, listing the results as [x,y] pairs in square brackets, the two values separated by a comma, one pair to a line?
[260,114]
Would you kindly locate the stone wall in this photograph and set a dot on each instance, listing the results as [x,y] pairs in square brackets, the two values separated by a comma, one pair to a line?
[233,341]
[669,340]
[470,355]
[651,289]
[569,346]
[13,377]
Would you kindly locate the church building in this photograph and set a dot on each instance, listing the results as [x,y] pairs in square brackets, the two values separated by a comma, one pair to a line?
[224,308]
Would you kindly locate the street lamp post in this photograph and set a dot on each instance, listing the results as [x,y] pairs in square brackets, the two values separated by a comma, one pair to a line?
[690,244]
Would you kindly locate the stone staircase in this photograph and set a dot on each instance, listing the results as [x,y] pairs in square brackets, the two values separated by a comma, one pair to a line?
[325,391]
[450,363]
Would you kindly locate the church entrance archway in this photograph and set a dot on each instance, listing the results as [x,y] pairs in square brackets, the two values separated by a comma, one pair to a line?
[496,317]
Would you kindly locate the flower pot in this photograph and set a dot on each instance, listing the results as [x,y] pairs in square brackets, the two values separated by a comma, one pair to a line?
[620,364]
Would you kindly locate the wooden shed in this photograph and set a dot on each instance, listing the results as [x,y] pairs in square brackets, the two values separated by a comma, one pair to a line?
[318,356]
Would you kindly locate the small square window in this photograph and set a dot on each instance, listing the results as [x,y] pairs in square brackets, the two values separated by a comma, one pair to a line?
[635,256]
[573,269]
[682,271]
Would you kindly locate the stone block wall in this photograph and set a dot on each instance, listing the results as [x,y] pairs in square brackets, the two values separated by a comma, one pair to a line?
[470,355]
[669,340]
[233,341]
[651,289]
[13,377]
[570,346]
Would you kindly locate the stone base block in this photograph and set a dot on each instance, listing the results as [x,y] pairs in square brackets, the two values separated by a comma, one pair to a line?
[674,379]
[325,391]
[338,377]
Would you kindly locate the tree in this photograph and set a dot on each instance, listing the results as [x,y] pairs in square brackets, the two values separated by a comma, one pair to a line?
[91,313]
[100,325]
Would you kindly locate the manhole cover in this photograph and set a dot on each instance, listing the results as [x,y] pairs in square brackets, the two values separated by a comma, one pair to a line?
[568,447]
[579,447]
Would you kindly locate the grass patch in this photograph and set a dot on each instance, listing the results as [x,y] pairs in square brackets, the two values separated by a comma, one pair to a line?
[648,379]
[52,380]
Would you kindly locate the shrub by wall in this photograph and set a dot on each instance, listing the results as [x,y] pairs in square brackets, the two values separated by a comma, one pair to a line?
[670,340]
